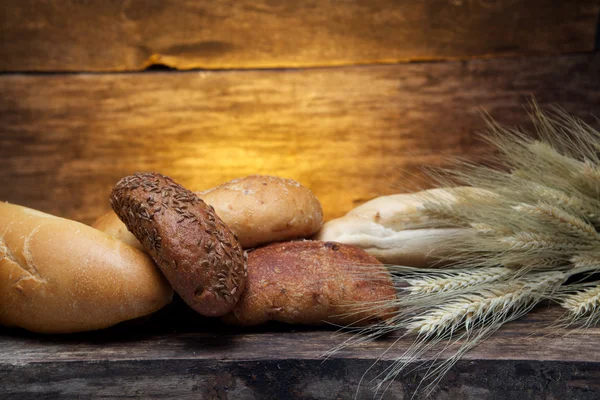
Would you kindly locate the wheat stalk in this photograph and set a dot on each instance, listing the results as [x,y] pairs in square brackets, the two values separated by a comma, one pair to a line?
[586,262]
[582,305]
[469,309]
[583,302]
[544,242]
[471,318]
[563,221]
[535,224]
[460,280]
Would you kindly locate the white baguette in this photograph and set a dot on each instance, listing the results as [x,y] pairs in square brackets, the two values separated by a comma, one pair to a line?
[384,228]
[59,276]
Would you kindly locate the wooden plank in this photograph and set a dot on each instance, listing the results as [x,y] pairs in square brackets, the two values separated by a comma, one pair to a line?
[151,361]
[98,35]
[349,134]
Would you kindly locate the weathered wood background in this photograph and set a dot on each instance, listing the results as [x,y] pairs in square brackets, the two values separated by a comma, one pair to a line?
[114,35]
[350,132]
[352,98]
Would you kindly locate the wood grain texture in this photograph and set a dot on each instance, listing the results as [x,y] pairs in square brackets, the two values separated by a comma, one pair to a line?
[215,362]
[99,35]
[349,134]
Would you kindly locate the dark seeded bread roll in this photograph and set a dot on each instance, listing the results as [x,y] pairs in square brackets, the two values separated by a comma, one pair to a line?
[198,254]
[312,282]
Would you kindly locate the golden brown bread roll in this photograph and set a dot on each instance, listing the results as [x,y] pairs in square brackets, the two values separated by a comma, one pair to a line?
[312,282]
[258,209]
[194,249]
[60,276]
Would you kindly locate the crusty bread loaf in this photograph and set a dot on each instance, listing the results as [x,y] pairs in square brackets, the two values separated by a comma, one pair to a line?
[262,209]
[258,209]
[194,249]
[59,276]
[312,282]
[384,227]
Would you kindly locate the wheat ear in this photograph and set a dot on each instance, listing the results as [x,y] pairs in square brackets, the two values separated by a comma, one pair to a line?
[453,281]
[584,303]
[470,318]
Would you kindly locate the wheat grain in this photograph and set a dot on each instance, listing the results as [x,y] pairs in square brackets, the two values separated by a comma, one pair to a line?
[541,241]
[586,262]
[470,309]
[545,264]
[583,205]
[455,281]
[583,302]
[565,222]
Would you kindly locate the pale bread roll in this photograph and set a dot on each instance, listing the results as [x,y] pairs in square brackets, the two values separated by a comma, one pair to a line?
[60,276]
[110,224]
[262,209]
[383,228]
[258,209]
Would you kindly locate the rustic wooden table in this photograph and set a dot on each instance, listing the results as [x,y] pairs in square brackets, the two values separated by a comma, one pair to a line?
[158,359]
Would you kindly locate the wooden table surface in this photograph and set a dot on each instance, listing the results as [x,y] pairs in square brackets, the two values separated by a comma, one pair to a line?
[185,357]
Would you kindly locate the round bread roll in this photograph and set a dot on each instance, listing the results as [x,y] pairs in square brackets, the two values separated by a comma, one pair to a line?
[262,209]
[385,228]
[60,276]
[194,249]
[313,282]
[110,224]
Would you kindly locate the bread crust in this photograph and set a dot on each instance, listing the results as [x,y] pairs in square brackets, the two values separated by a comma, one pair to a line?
[195,250]
[60,276]
[112,225]
[262,209]
[312,282]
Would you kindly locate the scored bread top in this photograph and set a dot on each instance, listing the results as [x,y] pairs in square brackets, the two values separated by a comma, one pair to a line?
[60,276]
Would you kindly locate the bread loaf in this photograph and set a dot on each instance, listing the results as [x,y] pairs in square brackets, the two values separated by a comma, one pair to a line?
[312,282]
[60,276]
[194,249]
[387,227]
[258,210]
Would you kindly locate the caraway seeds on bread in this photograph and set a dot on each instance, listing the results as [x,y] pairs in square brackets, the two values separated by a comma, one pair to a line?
[194,249]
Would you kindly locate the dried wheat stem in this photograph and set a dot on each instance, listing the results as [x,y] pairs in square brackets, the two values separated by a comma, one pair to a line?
[489,303]
[455,281]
